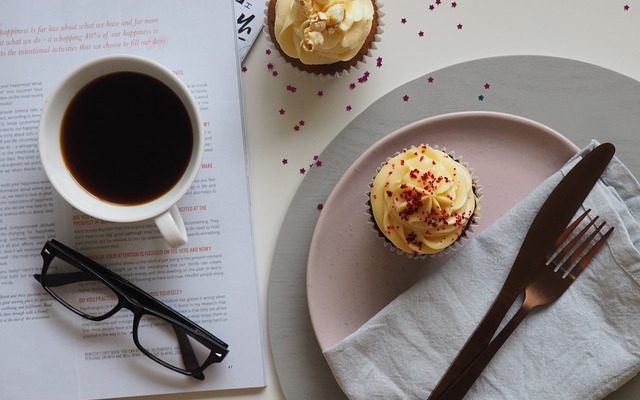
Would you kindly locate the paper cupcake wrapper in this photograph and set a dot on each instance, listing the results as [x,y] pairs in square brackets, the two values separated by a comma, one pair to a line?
[329,75]
[466,234]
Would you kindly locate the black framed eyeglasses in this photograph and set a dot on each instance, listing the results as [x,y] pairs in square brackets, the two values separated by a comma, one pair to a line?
[96,293]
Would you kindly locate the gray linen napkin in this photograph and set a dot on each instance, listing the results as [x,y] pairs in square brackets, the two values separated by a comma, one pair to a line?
[583,346]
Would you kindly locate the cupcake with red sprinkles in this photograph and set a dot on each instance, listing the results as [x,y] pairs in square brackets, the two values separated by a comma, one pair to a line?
[424,201]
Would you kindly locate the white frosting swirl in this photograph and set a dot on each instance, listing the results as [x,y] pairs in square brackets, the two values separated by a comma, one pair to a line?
[322,31]
[422,200]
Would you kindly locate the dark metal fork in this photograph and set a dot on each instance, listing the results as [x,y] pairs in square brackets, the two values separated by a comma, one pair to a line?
[547,285]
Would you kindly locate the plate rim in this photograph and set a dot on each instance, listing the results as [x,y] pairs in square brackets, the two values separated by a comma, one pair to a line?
[447,117]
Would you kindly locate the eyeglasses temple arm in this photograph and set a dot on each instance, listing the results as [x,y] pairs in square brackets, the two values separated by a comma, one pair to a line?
[66,278]
[188,356]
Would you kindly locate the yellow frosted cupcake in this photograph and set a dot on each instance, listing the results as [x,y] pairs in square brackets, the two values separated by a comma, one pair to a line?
[423,200]
[322,36]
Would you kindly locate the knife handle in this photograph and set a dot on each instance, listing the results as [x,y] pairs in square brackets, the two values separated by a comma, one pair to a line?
[478,341]
[463,383]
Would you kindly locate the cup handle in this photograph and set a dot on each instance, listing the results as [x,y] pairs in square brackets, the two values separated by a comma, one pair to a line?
[171,226]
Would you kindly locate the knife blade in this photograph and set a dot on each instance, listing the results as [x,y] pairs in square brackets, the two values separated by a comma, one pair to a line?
[552,218]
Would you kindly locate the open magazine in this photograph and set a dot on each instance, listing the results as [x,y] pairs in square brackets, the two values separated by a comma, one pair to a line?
[49,352]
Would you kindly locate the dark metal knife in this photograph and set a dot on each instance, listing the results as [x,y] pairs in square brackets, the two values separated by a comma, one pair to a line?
[552,218]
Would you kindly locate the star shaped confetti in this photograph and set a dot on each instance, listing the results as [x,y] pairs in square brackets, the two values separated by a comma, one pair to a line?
[430,79]
[403,21]
[481,98]
[487,86]
[405,98]
[284,161]
[320,93]
[281,111]
[626,7]
[348,107]
[460,26]
[454,4]
[421,34]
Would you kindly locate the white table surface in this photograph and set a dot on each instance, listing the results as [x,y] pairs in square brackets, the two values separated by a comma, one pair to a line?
[597,32]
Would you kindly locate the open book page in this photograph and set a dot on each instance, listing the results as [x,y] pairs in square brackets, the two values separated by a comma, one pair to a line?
[48,351]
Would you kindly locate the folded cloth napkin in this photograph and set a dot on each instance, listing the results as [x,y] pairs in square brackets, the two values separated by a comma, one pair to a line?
[583,346]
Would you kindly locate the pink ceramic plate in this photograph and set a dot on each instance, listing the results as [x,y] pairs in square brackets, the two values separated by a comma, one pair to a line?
[351,275]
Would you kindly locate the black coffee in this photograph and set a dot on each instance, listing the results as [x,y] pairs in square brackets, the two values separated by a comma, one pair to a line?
[126,138]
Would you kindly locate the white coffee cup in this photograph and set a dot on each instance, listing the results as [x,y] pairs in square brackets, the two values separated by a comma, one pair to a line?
[163,209]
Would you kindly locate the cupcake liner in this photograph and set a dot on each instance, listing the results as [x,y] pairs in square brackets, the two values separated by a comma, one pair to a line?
[468,231]
[329,75]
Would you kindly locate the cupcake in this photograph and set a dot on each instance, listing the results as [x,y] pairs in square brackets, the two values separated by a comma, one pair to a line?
[322,36]
[423,201]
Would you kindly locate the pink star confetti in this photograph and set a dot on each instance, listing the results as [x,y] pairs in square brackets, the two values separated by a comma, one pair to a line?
[285,161]
[438,2]
[352,86]
[421,34]
[292,88]
[431,7]
[319,206]
[281,111]
[454,4]
[626,7]
[244,69]
[318,163]
[379,62]
[269,66]
[320,93]
[460,26]
[296,128]
[403,21]
[430,79]
[274,73]
[268,52]
[301,122]
[348,107]
[302,171]
[405,98]
[487,86]
[316,157]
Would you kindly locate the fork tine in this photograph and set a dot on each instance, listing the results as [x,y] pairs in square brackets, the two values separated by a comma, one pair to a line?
[573,242]
[568,264]
[565,234]
[586,259]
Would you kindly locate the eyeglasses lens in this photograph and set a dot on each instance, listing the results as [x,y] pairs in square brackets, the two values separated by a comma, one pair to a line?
[79,289]
[163,340]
